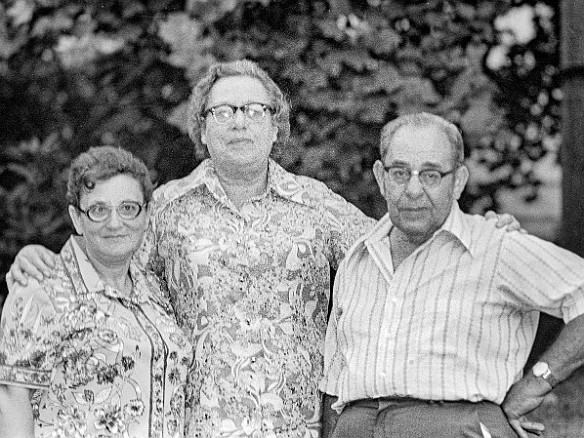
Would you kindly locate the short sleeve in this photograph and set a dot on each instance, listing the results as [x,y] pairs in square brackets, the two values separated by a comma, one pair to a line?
[28,336]
[538,274]
[346,224]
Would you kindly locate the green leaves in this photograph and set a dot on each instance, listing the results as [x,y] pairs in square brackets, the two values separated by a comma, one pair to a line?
[32,195]
[188,46]
[20,12]
[75,52]
[350,68]
[120,73]
[74,75]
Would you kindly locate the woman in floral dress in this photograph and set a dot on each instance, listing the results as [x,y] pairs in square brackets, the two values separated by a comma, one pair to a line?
[95,350]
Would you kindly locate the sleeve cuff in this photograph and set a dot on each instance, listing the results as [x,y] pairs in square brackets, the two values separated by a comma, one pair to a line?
[18,376]
[573,307]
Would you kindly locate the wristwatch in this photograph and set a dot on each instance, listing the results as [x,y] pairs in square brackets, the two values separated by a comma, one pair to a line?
[542,369]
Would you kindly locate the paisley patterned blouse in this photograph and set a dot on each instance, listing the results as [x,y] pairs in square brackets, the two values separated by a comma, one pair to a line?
[103,365]
[251,287]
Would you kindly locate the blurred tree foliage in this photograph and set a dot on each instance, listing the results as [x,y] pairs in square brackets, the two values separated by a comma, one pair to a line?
[75,74]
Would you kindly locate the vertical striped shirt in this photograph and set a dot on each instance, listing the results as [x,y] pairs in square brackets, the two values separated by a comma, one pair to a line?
[455,321]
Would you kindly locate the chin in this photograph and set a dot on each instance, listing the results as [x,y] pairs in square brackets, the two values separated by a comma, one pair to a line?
[121,253]
[417,229]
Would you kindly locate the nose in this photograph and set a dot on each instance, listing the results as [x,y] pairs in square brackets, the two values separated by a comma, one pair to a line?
[239,118]
[414,187]
[114,221]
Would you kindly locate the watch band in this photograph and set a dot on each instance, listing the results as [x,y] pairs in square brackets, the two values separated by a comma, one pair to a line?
[549,377]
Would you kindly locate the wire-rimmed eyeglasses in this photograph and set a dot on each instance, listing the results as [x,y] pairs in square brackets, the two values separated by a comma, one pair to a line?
[225,114]
[127,210]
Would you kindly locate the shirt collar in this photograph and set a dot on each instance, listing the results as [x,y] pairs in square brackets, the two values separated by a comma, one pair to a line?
[280,181]
[455,225]
[95,284]
[90,277]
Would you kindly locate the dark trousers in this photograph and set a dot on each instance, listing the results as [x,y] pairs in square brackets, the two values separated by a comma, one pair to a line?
[411,418]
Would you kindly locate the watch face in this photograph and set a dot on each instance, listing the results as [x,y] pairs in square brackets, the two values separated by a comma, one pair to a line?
[540,368]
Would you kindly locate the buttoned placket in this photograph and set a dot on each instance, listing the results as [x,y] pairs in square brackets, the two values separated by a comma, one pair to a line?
[248,213]
[380,251]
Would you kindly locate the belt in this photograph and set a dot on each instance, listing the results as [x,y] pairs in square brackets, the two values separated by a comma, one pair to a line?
[388,401]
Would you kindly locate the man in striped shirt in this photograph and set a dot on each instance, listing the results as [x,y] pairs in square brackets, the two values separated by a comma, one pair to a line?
[435,311]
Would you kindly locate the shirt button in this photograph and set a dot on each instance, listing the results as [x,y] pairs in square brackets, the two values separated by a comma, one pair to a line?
[394,300]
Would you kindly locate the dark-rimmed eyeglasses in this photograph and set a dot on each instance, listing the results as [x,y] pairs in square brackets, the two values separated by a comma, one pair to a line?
[127,210]
[225,114]
[428,177]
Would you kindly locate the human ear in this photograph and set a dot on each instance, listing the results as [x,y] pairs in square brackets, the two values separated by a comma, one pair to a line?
[147,214]
[204,133]
[74,214]
[274,133]
[460,179]
[379,173]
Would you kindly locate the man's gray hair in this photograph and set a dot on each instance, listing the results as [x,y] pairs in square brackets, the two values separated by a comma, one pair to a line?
[200,98]
[420,120]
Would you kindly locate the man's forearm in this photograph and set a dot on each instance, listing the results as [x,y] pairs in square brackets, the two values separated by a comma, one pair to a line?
[329,416]
[566,354]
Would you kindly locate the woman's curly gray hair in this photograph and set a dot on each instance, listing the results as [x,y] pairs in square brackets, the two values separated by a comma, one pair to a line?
[200,98]
[101,163]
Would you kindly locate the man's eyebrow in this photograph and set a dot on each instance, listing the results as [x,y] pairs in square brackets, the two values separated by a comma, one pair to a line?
[431,164]
[398,163]
[425,165]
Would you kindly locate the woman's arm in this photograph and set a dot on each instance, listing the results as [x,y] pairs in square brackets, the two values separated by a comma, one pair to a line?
[15,412]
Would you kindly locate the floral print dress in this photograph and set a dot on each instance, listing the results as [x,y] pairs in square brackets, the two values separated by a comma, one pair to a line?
[101,364]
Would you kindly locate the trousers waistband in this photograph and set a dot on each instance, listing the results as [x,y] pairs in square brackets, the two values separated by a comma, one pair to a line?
[374,402]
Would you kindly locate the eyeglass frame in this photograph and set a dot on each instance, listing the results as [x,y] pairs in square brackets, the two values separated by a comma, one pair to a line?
[141,207]
[234,108]
[418,173]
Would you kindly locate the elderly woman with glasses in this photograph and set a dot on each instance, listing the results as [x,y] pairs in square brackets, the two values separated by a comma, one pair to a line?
[95,349]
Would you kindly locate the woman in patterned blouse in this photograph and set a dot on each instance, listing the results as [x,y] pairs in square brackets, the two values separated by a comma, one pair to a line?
[95,350]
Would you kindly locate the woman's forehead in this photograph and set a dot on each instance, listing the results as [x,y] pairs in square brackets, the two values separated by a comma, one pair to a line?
[237,90]
[115,189]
